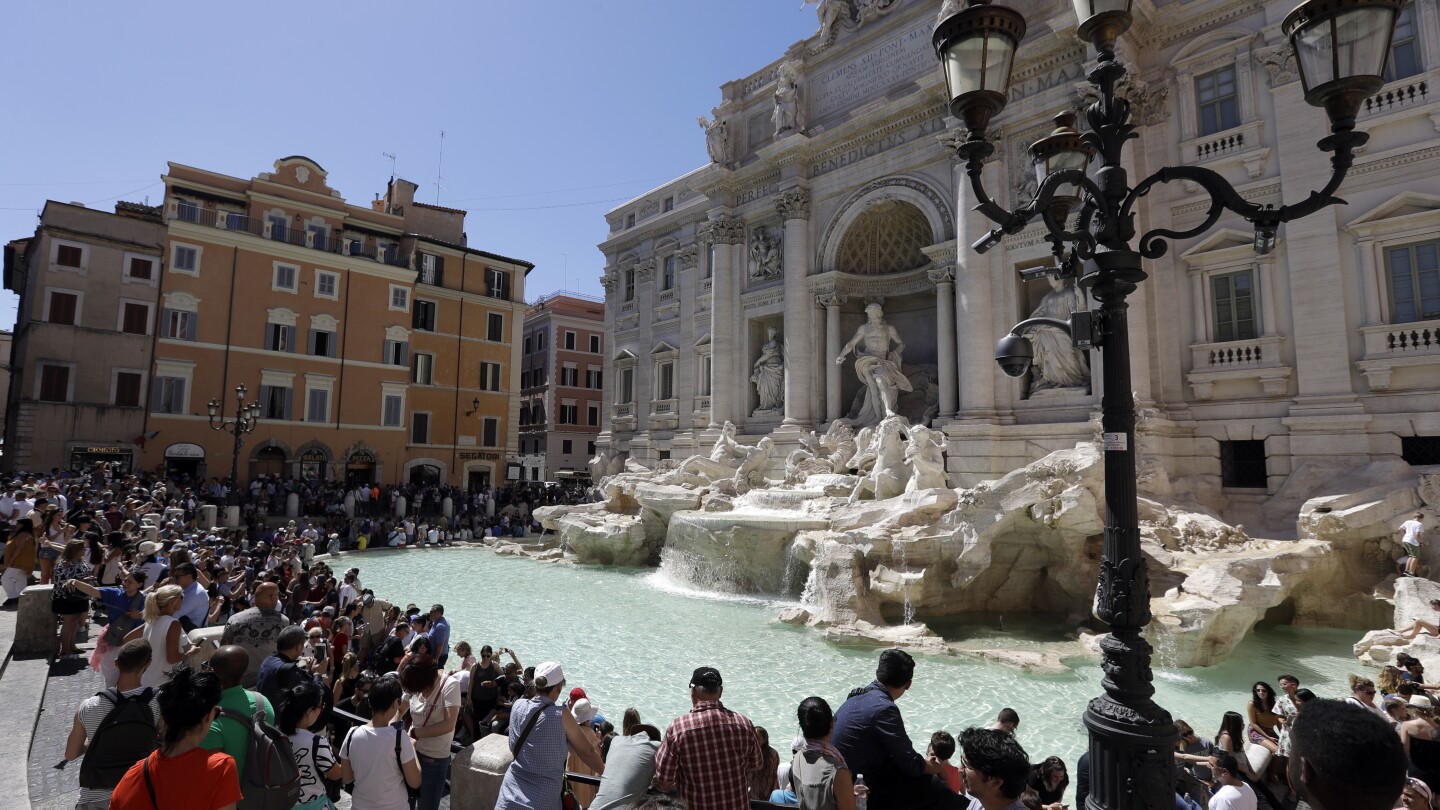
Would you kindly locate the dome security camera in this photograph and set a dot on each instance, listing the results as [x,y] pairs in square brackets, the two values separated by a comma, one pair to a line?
[1013,353]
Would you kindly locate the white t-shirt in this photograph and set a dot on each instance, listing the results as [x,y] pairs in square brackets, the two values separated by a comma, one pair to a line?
[1233,797]
[379,782]
[348,594]
[1412,529]
[312,757]
[422,715]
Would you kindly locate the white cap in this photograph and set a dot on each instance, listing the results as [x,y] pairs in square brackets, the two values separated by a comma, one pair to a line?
[147,548]
[583,710]
[548,675]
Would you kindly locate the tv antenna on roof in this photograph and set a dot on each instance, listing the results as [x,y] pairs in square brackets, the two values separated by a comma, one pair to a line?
[391,155]
[439,164]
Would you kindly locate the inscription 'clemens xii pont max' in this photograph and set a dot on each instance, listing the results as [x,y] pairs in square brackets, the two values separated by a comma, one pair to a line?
[873,72]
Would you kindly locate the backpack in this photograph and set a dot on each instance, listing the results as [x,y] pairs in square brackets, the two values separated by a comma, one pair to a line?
[126,736]
[271,780]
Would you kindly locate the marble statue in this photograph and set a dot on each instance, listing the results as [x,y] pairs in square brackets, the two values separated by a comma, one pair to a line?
[789,102]
[768,373]
[726,449]
[828,454]
[831,13]
[717,137]
[877,366]
[889,475]
[925,453]
[1058,365]
[948,9]
[751,473]
[765,257]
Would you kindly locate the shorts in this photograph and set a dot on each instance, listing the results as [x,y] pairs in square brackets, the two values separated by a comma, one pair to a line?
[48,553]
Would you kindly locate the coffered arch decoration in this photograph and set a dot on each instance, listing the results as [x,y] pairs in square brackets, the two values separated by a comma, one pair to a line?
[859,235]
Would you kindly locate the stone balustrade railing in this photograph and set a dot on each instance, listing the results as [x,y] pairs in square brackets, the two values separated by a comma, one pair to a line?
[1418,337]
[1253,353]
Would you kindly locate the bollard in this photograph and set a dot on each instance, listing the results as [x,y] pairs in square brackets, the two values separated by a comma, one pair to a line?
[207,515]
[292,505]
[350,504]
[400,505]
[477,771]
[36,626]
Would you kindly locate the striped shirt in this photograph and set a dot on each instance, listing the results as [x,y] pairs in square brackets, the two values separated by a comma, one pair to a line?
[93,710]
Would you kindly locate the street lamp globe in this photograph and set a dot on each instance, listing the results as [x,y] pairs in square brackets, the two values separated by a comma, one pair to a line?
[213,406]
[1062,149]
[1102,22]
[1340,48]
[976,47]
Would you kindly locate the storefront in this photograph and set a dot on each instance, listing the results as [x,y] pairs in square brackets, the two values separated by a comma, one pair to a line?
[83,457]
[360,468]
[184,459]
[314,464]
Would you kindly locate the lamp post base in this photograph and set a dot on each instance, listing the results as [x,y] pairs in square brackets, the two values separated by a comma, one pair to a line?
[1132,743]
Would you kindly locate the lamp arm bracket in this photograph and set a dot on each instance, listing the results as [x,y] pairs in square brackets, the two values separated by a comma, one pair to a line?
[1026,325]
[1009,222]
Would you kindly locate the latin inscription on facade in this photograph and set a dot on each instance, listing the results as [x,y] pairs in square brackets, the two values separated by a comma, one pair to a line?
[877,146]
[873,72]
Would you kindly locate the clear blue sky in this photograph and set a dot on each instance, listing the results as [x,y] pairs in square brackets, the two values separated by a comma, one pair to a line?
[553,112]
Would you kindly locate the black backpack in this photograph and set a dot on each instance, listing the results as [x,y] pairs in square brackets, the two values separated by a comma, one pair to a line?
[126,736]
[271,780]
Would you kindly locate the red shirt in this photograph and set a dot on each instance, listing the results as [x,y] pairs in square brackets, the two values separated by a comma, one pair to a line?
[952,777]
[709,754]
[196,780]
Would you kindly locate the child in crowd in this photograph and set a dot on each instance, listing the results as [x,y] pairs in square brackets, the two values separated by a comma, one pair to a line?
[942,747]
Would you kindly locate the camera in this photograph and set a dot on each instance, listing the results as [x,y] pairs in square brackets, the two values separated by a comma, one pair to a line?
[1014,353]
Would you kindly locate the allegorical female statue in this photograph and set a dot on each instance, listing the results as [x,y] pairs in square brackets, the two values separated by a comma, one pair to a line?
[1058,364]
[768,373]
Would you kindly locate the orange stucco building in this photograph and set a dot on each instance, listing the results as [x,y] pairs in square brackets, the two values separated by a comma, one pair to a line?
[378,345]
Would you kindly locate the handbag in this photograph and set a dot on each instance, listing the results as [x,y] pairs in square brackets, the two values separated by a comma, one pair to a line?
[567,796]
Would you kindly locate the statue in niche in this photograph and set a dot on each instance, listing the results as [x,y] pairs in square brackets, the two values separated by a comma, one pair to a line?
[765,258]
[877,366]
[717,137]
[751,473]
[1058,365]
[889,475]
[768,373]
[789,108]
[925,453]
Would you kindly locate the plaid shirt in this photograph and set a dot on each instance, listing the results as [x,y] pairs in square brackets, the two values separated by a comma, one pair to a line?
[709,754]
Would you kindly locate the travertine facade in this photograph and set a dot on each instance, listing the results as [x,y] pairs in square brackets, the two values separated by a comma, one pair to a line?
[1247,368]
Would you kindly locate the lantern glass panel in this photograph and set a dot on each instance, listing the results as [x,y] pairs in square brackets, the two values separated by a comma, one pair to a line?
[979,62]
[1352,43]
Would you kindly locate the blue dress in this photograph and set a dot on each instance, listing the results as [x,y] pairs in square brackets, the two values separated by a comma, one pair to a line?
[532,782]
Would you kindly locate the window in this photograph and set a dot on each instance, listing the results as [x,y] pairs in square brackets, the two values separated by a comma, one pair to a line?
[497,284]
[1234,306]
[127,389]
[285,277]
[667,273]
[629,220]
[422,372]
[397,353]
[1420,451]
[432,269]
[490,433]
[322,343]
[666,388]
[537,376]
[668,205]
[179,324]
[279,227]
[187,211]
[630,284]
[69,256]
[495,326]
[140,269]
[275,401]
[590,448]
[1219,102]
[54,383]
[524,380]
[710,261]
[524,420]
[61,307]
[627,385]
[1242,464]
[567,446]
[1404,48]
[317,405]
[319,236]
[664,455]
[1414,272]
[703,376]
[489,376]
[592,416]
[594,344]
[134,318]
[390,409]
[185,259]
[327,285]
[540,340]
[168,395]
[419,428]
[569,415]
[592,378]
[527,344]
[570,340]
[423,317]
[280,337]
[570,376]
[399,298]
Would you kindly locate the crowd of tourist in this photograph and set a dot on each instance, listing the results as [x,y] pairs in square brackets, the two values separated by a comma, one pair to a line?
[315,687]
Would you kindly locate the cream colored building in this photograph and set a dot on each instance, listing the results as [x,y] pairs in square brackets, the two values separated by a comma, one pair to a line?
[1320,356]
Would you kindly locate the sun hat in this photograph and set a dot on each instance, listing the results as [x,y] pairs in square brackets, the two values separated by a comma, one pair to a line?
[583,710]
[147,548]
[548,675]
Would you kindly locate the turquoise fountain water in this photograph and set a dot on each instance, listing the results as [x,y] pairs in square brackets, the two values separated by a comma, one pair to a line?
[631,638]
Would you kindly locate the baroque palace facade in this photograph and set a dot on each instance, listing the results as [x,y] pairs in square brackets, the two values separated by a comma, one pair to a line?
[833,185]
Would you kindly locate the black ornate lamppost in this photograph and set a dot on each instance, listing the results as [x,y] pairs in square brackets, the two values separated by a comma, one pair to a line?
[242,423]
[1341,48]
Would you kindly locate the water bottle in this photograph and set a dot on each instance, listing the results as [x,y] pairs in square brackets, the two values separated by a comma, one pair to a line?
[862,793]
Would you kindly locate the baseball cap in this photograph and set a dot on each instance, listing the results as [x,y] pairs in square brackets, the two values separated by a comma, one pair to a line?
[548,674]
[576,694]
[707,678]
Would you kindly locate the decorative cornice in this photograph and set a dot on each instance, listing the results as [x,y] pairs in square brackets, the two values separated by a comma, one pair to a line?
[1206,19]
[1392,161]
[793,204]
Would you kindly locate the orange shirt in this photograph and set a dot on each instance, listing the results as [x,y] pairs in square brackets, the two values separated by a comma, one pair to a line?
[196,780]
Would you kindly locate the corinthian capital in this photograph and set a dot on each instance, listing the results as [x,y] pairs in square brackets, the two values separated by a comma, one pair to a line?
[942,274]
[793,204]
[688,257]
[830,299]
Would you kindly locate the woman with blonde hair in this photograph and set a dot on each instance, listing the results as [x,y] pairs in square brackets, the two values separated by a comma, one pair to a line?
[1389,680]
[163,631]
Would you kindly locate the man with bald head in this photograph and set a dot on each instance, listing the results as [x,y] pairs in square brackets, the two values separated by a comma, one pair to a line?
[229,664]
[256,629]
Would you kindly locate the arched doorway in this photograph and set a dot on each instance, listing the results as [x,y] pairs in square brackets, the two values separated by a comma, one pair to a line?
[424,475]
[269,462]
[314,464]
[360,469]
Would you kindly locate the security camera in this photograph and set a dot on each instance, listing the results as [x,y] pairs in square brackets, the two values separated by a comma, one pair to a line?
[1014,354]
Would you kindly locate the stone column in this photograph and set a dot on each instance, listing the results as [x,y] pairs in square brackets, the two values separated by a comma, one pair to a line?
[794,208]
[944,278]
[975,303]
[831,302]
[726,233]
